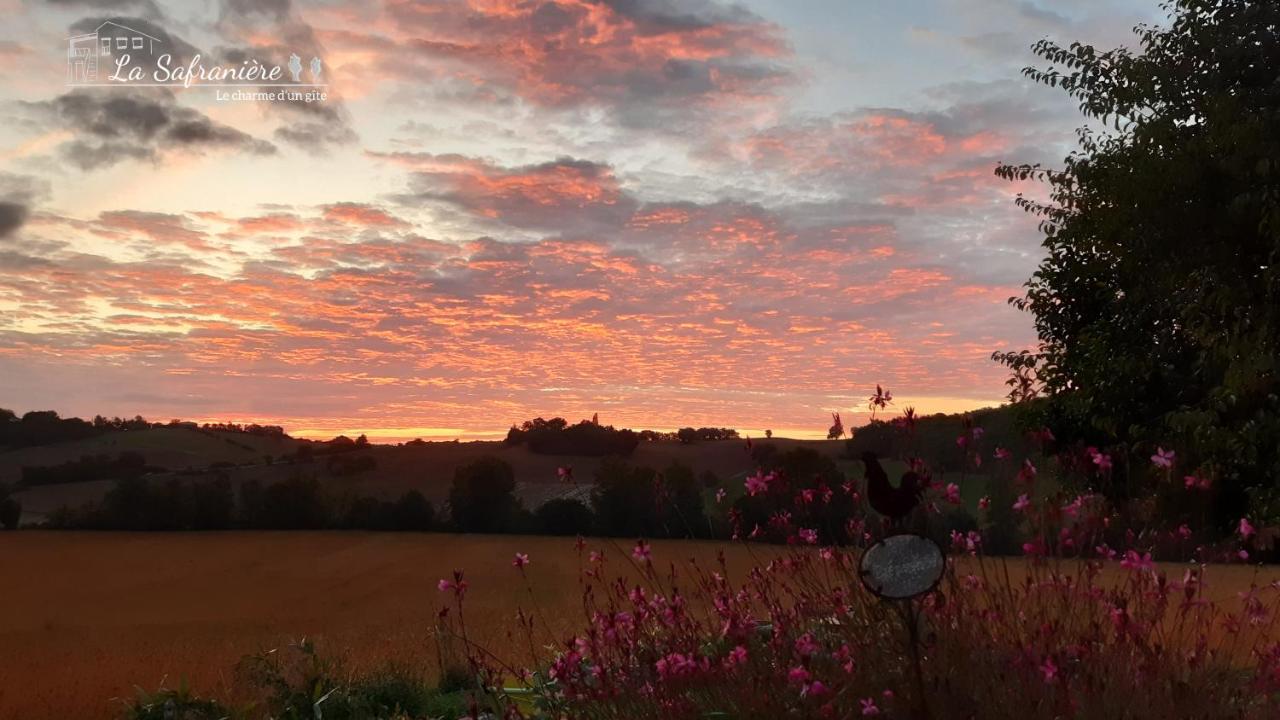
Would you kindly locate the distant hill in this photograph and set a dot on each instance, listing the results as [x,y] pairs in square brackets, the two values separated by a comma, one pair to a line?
[381,471]
[935,436]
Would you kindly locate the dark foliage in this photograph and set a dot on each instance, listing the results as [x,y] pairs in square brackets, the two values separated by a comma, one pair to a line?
[482,498]
[10,509]
[565,516]
[691,435]
[641,502]
[346,465]
[1158,303]
[87,468]
[933,437]
[797,470]
[557,437]
[298,503]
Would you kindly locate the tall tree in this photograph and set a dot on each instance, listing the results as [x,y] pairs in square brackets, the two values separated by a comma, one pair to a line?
[1158,303]
[482,498]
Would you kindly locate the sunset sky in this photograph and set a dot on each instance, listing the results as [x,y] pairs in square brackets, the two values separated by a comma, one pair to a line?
[665,212]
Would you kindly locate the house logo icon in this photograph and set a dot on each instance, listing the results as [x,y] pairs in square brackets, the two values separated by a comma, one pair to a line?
[86,52]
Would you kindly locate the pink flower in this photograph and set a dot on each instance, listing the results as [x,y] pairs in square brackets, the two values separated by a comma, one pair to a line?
[809,536]
[1027,473]
[1139,563]
[1184,531]
[962,440]
[1102,460]
[953,493]
[720,495]
[1163,458]
[977,433]
[805,645]
[798,675]
[984,502]
[1195,481]
[565,473]
[844,656]
[1049,670]
[869,707]
[1022,503]
[457,584]
[641,551]
[1243,554]
[675,665]
[826,554]
[520,561]
[1246,528]
[736,656]
[1002,454]
[758,483]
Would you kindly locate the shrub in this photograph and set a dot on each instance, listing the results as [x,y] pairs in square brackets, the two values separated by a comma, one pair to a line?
[565,516]
[482,497]
[10,508]
[413,512]
[295,504]
[10,512]
[174,704]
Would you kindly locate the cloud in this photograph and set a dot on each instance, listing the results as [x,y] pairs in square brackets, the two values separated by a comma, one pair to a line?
[564,193]
[648,63]
[117,124]
[12,216]
[146,6]
[19,193]
[271,31]
[669,307]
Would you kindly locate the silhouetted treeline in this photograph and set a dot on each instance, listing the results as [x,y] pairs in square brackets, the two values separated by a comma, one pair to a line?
[250,429]
[690,435]
[45,427]
[42,427]
[88,467]
[626,500]
[298,503]
[557,437]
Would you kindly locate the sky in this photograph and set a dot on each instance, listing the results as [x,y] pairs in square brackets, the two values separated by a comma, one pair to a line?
[665,212]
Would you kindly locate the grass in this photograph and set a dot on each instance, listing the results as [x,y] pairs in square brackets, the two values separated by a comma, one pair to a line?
[94,616]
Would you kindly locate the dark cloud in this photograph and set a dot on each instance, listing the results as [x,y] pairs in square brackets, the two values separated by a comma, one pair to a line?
[145,6]
[18,193]
[117,124]
[12,216]
[276,9]
[663,15]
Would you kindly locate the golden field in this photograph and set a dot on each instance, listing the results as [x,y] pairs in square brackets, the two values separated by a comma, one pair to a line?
[85,617]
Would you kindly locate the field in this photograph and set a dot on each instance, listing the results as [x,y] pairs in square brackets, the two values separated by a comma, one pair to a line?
[95,614]
[85,617]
